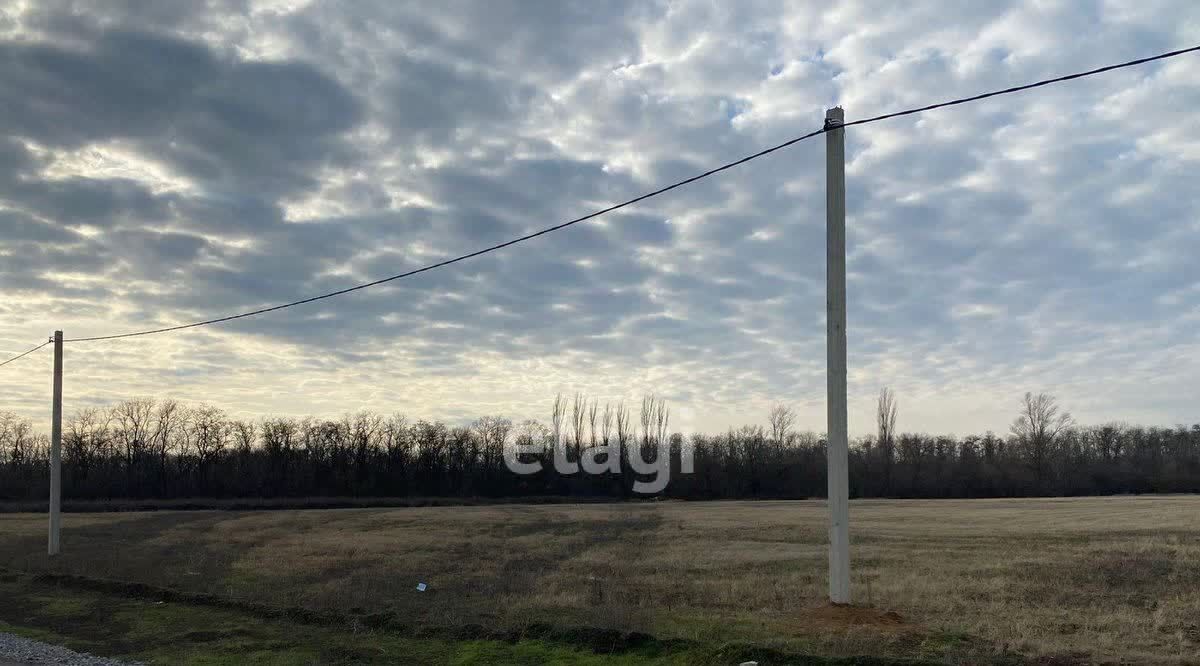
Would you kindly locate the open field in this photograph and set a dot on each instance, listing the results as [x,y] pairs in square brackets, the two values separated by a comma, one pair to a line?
[1076,580]
[185,634]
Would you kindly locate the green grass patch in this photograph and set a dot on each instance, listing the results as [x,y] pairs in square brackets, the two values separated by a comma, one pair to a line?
[63,606]
[174,632]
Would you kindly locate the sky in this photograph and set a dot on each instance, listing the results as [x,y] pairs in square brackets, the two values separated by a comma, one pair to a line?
[166,162]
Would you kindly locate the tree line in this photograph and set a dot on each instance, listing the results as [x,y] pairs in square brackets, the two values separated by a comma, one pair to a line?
[145,448]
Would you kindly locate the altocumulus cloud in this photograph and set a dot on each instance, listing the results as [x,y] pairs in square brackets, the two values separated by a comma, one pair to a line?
[165,162]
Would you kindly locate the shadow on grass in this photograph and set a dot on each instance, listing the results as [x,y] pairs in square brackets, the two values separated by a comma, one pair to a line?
[104,549]
[94,627]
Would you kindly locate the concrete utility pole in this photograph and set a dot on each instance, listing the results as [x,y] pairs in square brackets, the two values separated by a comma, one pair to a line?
[835,341]
[56,449]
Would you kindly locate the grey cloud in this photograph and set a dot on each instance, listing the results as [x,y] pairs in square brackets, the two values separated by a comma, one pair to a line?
[86,201]
[431,103]
[226,122]
[170,248]
[16,226]
[238,215]
[73,17]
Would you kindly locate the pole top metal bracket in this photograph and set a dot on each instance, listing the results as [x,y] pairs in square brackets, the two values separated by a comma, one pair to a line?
[834,117]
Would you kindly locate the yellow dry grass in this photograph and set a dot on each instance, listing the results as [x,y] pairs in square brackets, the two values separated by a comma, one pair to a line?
[1085,579]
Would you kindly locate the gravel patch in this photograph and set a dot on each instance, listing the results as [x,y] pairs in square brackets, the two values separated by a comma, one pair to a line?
[18,650]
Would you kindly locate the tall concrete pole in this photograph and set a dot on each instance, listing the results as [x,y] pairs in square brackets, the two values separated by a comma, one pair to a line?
[835,337]
[56,449]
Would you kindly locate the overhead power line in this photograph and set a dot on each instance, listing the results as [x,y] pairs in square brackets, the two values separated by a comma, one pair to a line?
[461,257]
[1027,86]
[24,354]
[648,195]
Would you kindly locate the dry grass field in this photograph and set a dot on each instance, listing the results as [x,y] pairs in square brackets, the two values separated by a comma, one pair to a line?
[1061,580]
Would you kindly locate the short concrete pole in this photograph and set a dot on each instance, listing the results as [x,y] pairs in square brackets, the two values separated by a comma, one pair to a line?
[56,449]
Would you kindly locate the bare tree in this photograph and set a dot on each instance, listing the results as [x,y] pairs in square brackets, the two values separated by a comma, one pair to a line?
[87,438]
[662,418]
[782,417]
[364,430]
[280,436]
[624,425]
[648,402]
[578,418]
[885,414]
[532,432]
[593,411]
[1037,427]
[1040,419]
[244,433]
[170,419]
[626,431]
[606,423]
[556,420]
[16,436]
[493,432]
[397,442]
[209,433]
[132,421]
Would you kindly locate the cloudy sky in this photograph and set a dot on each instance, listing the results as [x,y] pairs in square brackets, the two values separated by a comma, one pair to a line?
[167,162]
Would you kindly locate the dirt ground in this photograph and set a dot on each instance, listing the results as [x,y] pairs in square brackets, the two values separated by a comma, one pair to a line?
[1065,580]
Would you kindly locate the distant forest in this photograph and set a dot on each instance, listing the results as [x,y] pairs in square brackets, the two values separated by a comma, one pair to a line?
[145,448]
